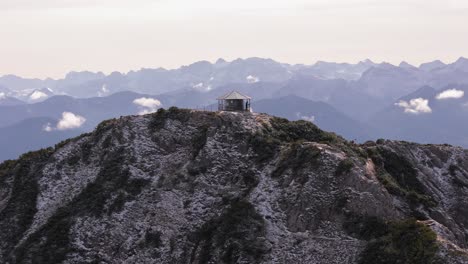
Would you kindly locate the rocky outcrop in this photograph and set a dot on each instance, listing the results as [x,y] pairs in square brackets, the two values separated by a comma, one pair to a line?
[180,186]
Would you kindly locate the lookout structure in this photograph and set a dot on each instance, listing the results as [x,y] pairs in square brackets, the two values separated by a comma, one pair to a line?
[234,101]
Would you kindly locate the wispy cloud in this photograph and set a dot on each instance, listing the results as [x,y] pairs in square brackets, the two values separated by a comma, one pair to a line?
[198,86]
[415,106]
[147,105]
[450,94]
[67,122]
[252,79]
[202,87]
[104,91]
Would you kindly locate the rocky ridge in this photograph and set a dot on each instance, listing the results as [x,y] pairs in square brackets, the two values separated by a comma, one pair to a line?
[181,186]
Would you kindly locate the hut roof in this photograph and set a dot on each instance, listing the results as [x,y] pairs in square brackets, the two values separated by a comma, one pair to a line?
[234,96]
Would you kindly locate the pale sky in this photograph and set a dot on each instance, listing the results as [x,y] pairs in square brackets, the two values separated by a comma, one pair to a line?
[48,38]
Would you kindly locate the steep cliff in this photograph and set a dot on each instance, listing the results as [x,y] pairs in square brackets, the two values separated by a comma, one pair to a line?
[180,186]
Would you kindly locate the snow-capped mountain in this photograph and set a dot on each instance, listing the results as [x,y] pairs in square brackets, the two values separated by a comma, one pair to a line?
[39,95]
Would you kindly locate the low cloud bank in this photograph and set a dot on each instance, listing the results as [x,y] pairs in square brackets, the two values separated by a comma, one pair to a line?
[415,106]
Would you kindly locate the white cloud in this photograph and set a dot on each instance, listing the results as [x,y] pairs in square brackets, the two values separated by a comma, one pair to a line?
[198,86]
[202,88]
[147,102]
[37,95]
[48,127]
[305,117]
[147,105]
[252,79]
[68,121]
[2,95]
[104,91]
[450,94]
[415,106]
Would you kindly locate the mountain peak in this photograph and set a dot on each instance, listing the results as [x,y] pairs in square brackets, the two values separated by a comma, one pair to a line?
[221,61]
[461,64]
[227,187]
[406,65]
[367,62]
[462,59]
[429,66]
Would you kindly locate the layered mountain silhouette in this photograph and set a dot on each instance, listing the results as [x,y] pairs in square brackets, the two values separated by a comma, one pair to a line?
[93,109]
[322,114]
[361,101]
[442,121]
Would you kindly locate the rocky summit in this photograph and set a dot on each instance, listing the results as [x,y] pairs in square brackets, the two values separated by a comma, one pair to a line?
[181,186]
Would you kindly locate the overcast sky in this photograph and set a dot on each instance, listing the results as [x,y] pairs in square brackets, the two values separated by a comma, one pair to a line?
[47,38]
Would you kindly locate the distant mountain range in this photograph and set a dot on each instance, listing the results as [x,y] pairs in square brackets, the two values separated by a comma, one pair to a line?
[205,76]
[360,101]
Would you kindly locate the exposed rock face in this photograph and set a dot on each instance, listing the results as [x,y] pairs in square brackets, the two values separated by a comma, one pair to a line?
[199,187]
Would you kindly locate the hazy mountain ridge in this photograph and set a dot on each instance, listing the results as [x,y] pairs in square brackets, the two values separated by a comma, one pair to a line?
[29,135]
[213,75]
[94,109]
[379,100]
[156,81]
[26,127]
[184,186]
[320,113]
[437,120]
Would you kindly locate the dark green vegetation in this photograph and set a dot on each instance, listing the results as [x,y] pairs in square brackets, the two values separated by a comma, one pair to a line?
[264,146]
[399,176]
[405,242]
[153,239]
[234,235]
[291,131]
[365,227]
[344,167]
[297,157]
[266,143]
[199,141]
[282,131]
[159,118]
